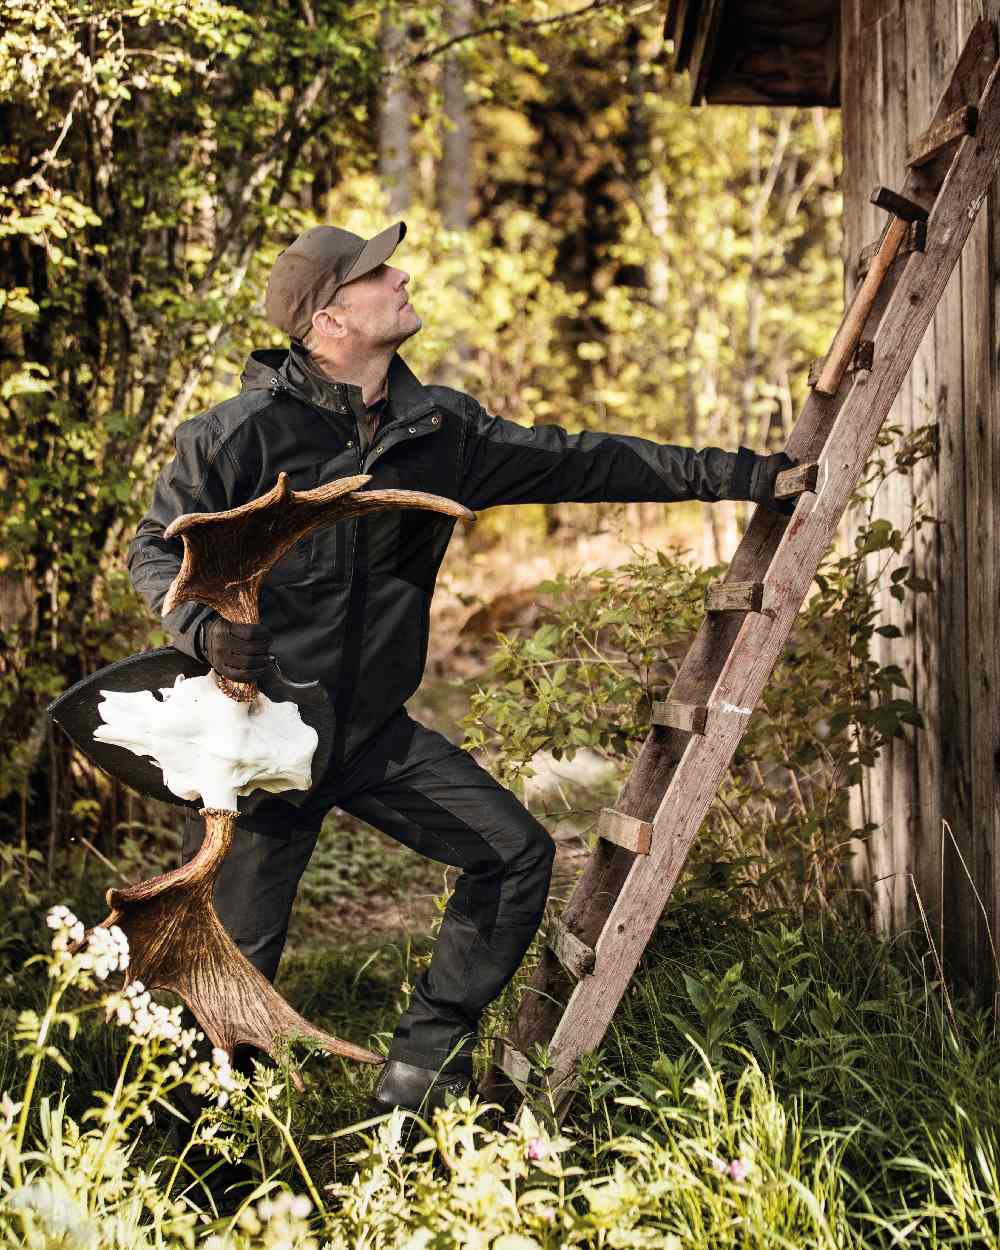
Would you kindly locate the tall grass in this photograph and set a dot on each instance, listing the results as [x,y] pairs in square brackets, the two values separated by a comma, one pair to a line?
[763,1085]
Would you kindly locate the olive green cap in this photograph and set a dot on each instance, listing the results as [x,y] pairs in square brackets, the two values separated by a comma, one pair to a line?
[309,273]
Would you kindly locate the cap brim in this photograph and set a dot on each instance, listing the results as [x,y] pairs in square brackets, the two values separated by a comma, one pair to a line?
[375,252]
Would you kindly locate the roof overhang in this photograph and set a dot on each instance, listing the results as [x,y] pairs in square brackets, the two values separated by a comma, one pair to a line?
[758,51]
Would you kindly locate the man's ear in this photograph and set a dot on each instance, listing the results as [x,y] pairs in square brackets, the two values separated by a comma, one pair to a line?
[327,323]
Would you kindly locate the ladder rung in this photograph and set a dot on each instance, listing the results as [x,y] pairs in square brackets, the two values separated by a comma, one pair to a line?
[513,1063]
[800,477]
[626,831]
[915,241]
[863,358]
[691,717]
[936,138]
[734,597]
[575,956]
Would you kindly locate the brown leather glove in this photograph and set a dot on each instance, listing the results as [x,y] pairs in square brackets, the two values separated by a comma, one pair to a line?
[239,652]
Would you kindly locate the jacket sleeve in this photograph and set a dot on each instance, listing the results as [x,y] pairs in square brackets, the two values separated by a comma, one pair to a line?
[201,477]
[505,463]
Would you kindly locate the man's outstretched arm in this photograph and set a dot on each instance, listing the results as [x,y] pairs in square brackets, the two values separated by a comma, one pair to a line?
[505,463]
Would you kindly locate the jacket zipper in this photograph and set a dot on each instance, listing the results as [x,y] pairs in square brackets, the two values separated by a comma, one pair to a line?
[355,520]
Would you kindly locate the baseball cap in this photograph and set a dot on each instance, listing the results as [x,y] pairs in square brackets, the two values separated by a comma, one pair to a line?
[309,272]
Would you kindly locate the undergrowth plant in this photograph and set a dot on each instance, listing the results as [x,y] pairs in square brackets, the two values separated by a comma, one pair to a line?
[779,830]
[804,1087]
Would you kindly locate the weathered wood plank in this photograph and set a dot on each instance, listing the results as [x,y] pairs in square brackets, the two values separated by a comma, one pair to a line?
[877,794]
[924,608]
[937,138]
[513,1063]
[691,718]
[901,759]
[624,831]
[734,597]
[794,481]
[575,956]
[981,561]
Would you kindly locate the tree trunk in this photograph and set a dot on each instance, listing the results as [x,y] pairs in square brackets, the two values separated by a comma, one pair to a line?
[394,117]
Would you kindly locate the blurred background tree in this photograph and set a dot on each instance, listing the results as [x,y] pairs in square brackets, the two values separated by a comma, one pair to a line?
[585,249]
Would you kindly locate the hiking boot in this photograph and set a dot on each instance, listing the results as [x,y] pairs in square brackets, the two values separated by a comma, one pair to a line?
[416,1089]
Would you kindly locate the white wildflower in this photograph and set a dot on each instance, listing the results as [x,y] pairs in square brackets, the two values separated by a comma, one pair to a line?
[107,951]
[8,1109]
[222,1075]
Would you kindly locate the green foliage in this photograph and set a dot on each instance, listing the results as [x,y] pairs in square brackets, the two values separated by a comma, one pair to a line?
[761,1085]
[612,644]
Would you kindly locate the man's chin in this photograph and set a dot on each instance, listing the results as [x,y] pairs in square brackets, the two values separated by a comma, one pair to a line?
[407,332]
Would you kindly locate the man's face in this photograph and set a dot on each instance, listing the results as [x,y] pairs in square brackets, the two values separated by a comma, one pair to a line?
[375,309]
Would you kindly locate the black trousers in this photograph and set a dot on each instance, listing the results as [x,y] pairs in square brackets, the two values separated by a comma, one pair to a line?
[416,786]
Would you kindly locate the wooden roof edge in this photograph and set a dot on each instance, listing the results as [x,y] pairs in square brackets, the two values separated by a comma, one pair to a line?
[693,28]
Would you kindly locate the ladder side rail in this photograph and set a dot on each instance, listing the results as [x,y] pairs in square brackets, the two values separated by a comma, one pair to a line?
[804,542]
[606,872]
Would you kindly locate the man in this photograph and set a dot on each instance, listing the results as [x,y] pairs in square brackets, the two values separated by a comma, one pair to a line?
[349,606]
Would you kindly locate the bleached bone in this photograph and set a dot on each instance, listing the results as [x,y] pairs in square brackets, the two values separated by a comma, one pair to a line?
[209,746]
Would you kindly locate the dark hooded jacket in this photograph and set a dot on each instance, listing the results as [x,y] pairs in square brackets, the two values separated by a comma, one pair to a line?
[350,605]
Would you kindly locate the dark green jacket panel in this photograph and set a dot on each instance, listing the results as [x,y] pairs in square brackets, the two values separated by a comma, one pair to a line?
[508,463]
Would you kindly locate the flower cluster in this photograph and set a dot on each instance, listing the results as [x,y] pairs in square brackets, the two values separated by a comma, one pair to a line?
[106,950]
[279,1221]
[222,1075]
[68,930]
[149,1021]
[736,1169]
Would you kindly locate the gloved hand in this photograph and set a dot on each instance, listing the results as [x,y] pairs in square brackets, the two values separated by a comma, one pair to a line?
[762,479]
[239,652]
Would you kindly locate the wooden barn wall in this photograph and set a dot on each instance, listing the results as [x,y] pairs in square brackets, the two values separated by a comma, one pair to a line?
[896,57]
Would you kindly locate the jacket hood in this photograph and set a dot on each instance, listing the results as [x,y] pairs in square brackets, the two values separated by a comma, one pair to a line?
[289,370]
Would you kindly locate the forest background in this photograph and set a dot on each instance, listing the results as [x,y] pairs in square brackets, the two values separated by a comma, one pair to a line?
[584,249]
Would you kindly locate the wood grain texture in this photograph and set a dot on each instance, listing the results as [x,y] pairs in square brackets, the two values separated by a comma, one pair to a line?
[734,596]
[899,121]
[924,608]
[981,554]
[624,831]
[576,957]
[692,718]
[937,138]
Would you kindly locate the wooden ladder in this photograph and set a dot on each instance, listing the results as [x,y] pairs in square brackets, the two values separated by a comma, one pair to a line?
[593,949]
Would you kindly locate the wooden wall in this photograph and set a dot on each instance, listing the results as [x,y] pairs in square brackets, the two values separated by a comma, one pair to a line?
[896,57]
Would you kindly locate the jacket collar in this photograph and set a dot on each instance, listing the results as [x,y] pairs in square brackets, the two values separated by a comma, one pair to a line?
[290,371]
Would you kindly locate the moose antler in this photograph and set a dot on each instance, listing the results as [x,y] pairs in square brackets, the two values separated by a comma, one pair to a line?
[176,941]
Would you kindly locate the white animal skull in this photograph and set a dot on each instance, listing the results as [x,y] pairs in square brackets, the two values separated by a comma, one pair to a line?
[210,746]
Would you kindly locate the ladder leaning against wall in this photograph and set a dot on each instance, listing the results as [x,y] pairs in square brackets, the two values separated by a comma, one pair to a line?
[592,950]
